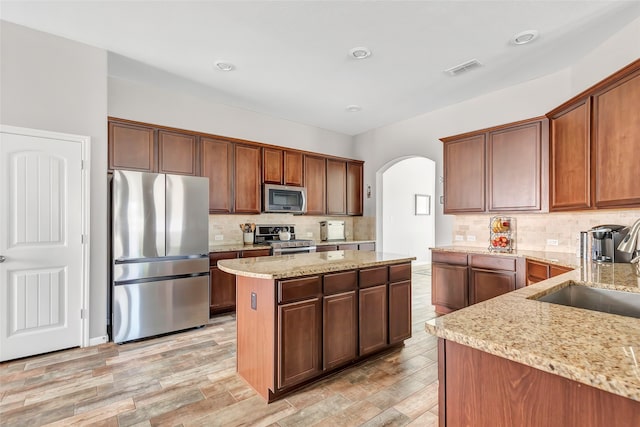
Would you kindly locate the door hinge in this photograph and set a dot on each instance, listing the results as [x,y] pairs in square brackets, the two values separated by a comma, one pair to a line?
[83,313]
[82,164]
[83,238]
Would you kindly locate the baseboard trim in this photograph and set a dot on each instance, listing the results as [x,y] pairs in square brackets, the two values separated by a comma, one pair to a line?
[98,340]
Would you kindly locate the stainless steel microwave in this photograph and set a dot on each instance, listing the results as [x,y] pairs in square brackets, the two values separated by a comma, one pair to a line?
[284,198]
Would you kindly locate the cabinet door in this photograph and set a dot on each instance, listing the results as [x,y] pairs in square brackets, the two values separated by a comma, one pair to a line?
[177,153]
[464,175]
[299,341]
[570,157]
[536,272]
[373,319]
[399,311]
[315,174]
[326,248]
[354,188]
[514,168]
[336,187]
[340,329]
[449,287]
[616,143]
[132,147]
[217,164]
[486,284]
[223,291]
[293,174]
[247,179]
[272,166]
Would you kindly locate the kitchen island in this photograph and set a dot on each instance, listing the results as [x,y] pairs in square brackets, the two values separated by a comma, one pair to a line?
[514,360]
[302,317]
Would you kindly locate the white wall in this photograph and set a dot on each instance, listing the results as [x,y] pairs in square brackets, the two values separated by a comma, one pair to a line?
[402,231]
[146,103]
[51,83]
[420,135]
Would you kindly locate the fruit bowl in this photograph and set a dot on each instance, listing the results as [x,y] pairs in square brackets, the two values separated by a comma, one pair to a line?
[501,234]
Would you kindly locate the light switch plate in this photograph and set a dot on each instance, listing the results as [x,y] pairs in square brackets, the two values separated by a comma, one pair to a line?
[218,237]
[459,238]
[552,242]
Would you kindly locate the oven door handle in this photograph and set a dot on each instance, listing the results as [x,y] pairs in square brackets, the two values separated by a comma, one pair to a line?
[294,249]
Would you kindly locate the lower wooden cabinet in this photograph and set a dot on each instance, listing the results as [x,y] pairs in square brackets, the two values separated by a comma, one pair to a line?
[326,248]
[222,293]
[373,327]
[340,329]
[299,341]
[348,247]
[399,311]
[537,271]
[486,284]
[449,287]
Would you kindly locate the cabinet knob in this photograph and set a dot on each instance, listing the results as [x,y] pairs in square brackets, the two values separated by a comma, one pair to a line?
[2,258]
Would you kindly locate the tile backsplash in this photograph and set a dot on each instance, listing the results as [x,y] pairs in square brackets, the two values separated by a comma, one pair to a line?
[534,230]
[307,227]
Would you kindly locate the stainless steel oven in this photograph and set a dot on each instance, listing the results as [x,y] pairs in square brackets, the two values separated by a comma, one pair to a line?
[269,234]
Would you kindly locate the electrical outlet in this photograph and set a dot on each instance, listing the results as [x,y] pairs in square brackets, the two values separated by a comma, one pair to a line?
[309,234]
[552,242]
[471,238]
[218,237]
[459,237]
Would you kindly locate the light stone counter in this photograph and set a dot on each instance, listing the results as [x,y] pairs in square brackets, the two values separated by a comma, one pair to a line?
[566,259]
[242,247]
[598,349]
[286,266]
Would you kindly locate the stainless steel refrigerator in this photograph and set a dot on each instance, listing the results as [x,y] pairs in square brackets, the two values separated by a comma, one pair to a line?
[160,268]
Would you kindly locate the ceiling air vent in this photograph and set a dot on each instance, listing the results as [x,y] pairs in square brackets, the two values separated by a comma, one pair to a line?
[461,68]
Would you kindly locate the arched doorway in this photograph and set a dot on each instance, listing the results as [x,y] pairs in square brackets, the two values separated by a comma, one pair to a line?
[399,227]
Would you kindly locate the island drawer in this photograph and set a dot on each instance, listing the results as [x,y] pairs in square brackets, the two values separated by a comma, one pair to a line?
[336,283]
[493,262]
[373,277]
[399,273]
[454,258]
[299,289]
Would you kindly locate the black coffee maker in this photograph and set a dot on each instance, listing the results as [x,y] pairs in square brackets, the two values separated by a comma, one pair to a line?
[605,241]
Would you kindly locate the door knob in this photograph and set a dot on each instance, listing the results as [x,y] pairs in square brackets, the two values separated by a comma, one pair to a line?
[2,259]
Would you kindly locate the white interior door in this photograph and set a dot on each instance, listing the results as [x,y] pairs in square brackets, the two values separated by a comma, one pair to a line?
[41,223]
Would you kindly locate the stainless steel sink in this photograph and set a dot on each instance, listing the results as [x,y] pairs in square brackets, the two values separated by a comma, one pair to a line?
[603,300]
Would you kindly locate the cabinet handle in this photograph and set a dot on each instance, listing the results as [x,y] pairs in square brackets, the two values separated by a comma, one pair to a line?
[2,258]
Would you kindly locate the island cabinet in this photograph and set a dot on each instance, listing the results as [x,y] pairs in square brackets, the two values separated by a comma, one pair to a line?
[498,169]
[484,390]
[296,330]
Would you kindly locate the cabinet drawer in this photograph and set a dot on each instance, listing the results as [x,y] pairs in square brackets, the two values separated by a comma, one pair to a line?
[326,248]
[255,253]
[340,282]
[367,247]
[494,262]
[348,247]
[537,271]
[399,273]
[454,258]
[556,270]
[214,257]
[373,277]
[299,289]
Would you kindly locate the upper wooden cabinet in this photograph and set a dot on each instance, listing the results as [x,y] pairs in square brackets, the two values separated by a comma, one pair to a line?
[354,188]
[283,167]
[336,187]
[464,174]
[515,167]
[177,153]
[217,164]
[315,174]
[246,179]
[507,163]
[570,157]
[616,142]
[132,147]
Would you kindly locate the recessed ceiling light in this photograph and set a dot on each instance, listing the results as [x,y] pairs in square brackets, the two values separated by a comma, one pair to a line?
[525,37]
[360,53]
[224,66]
[353,108]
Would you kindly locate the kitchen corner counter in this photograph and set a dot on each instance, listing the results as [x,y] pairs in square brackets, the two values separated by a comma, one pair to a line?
[565,259]
[235,247]
[341,242]
[286,266]
[598,349]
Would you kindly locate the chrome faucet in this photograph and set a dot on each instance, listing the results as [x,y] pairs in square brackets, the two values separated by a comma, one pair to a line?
[630,241]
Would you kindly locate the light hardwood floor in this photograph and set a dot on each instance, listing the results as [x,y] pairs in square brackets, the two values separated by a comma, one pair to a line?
[189,379]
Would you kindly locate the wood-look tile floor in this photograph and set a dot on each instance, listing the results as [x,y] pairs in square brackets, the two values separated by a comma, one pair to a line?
[189,379]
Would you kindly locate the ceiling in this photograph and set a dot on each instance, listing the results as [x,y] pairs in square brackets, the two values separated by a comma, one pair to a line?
[292,59]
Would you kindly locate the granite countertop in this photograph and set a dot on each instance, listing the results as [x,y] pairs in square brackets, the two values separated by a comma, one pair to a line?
[295,265]
[598,349]
[242,247]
